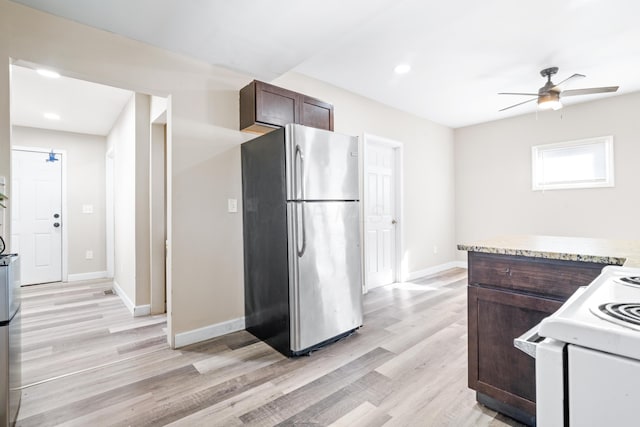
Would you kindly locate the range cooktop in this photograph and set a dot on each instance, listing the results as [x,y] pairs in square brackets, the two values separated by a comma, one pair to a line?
[628,280]
[624,314]
[605,316]
[5,258]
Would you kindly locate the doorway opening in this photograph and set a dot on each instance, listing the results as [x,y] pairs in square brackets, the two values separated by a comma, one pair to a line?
[158,205]
[382,211]
[105,139]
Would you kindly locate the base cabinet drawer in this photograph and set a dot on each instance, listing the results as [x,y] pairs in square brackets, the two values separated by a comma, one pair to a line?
[538,276]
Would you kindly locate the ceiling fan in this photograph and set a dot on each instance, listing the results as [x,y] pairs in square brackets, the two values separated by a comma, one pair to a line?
[549,95]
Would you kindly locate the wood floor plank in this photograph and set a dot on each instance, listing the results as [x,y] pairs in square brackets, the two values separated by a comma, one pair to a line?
[89,405]
[89,362]
[365,415]
[325,361]
[226,412]
[288,405]
[372,387]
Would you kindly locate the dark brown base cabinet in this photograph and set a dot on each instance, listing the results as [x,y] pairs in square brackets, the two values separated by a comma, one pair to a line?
[507,296]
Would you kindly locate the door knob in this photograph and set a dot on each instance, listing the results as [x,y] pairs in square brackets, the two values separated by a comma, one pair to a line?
[393,221]
[56,216]
[56,224]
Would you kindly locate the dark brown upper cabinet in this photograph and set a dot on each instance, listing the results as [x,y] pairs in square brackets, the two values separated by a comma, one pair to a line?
[264,107]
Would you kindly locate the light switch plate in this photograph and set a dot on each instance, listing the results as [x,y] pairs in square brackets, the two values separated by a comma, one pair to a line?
[88,254]
[232,205]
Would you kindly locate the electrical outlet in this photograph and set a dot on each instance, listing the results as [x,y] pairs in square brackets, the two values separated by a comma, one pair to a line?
[435,249]
[87,209]
[232,205]
[88,254]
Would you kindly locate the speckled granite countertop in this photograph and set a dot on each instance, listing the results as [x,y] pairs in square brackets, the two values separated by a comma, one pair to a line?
[616,252]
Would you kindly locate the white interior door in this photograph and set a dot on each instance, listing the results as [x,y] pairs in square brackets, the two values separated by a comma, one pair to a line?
[36,225]
[380,215]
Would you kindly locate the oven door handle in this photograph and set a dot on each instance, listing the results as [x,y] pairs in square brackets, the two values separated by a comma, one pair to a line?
[528,341]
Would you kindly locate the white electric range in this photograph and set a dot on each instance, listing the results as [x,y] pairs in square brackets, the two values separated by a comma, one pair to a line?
[588,355]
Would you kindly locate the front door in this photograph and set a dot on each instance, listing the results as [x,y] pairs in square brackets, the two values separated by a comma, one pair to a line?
[380,215]
[36,227]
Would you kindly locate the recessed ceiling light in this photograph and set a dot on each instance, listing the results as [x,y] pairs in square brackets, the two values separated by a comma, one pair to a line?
[48,73]
[402,68]
[51,116]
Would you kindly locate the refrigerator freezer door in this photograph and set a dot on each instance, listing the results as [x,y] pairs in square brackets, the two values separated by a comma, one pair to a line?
[321,165]
[326,285]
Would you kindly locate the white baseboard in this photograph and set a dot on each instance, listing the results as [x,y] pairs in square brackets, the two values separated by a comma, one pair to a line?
[460,264]
[435,269]
[142,310]
[135,310]
[206,333]
[87,276]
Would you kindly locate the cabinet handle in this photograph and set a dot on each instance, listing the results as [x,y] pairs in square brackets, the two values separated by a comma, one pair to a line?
[507,271]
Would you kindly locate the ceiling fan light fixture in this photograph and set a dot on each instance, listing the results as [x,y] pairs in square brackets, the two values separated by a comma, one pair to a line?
[48,73]
[402,68]
[51,116]
[549,101]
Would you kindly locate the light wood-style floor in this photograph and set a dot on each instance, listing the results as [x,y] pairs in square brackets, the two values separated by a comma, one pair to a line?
[87,362]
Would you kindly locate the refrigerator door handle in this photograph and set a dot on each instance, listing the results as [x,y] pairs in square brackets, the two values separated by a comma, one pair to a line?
[304,234]
[298,154]
[299,176]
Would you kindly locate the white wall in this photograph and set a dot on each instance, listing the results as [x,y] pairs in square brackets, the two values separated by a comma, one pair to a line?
[85,186]
[122,141]
[205,242]
[493,175]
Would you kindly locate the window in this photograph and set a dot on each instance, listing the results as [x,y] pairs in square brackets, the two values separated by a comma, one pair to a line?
[587,163]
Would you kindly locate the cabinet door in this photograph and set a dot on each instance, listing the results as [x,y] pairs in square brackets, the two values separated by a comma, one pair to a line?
[316,113]
[496,368]
[275,106]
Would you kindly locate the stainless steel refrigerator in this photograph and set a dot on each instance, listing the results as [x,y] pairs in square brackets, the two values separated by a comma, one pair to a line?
[301,219]
[10,358]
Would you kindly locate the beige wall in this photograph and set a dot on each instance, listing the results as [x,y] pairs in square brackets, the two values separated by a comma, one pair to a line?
[129,143]
[142,210]
[493,175]
[157,218]
[121,142]
[205,242]
[428,167]
[85,186]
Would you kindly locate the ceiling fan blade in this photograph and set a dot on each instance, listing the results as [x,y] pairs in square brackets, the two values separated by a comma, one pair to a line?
[588,91]
[558,87]
[520,103]
[518,93]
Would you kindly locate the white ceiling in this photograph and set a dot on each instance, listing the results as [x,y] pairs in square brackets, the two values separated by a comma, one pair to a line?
[461,52]
[83,107]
